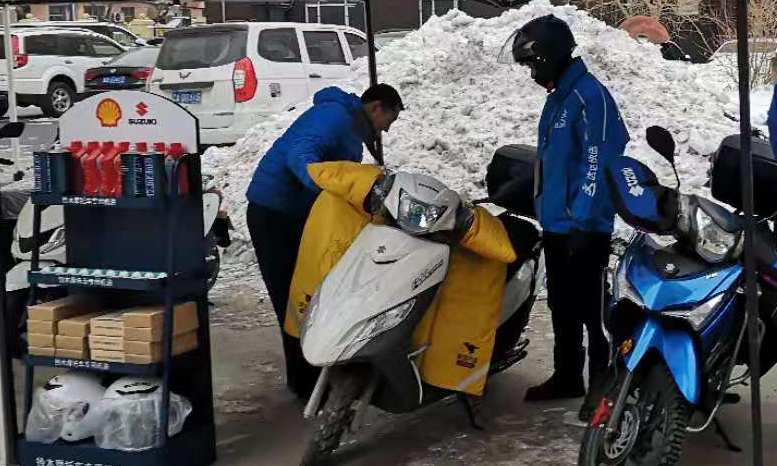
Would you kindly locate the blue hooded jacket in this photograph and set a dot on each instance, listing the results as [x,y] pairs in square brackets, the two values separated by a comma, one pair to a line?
[323,133]
[581,130]
[772,122]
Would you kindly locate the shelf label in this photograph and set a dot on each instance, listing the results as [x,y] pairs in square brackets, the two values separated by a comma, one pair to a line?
[84,281]
[82,364]
[82,200]
[41,461]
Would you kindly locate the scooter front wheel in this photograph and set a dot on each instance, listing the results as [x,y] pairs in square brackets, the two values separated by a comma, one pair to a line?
[650,431]
[331,424]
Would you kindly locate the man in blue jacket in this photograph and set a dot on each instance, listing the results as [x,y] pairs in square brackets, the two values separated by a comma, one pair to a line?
[281,192]
[580,131]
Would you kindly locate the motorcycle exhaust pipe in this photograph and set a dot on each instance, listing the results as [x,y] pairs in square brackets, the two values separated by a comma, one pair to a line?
[318,393]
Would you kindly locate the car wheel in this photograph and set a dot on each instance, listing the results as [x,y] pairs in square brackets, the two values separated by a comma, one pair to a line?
[59,99]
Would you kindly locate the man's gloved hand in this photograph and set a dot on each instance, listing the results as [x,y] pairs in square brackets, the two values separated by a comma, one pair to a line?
[373,203]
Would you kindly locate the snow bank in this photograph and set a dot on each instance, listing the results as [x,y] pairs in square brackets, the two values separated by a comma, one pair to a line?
[462,105]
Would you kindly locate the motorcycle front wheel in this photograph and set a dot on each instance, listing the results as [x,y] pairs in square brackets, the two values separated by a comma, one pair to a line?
[651,430]
[337,415]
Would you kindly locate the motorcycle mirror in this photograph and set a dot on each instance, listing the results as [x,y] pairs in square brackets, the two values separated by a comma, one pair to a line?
[662,142]
[12,130]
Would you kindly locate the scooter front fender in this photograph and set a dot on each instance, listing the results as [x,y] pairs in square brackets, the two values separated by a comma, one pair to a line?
[676,348]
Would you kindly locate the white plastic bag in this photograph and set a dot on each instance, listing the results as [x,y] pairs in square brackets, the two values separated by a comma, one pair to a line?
[133,422]
[46,419]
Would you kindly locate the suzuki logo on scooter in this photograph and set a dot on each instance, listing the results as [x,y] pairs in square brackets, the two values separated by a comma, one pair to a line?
[631,180]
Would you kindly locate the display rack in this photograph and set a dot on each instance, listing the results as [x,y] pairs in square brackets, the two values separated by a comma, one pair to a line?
[161,236]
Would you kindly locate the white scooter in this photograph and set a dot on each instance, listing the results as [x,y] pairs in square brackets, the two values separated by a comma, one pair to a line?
[53,252]
[360,322]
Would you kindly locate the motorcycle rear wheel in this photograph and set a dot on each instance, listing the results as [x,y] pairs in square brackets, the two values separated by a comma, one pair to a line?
[656,415]
[330,425]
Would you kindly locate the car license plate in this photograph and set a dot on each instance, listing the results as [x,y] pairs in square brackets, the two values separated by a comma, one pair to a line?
[187,97]
[114,80]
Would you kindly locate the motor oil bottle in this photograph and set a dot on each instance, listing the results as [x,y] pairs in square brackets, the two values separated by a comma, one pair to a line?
[51,170]
[75,170]
[110,171]
[132,171]
[174,154]
[91,172]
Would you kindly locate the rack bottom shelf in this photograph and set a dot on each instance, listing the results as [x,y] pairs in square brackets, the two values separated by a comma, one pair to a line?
[195,446]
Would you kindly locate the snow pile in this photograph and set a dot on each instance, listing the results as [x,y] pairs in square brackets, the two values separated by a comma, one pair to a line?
[462,105]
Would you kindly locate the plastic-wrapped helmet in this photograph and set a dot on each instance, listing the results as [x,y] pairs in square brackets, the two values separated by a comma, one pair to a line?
[65,407]
[545,45]
[129,414]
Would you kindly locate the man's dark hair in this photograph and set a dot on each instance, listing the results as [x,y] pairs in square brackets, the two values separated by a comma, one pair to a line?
[387,96]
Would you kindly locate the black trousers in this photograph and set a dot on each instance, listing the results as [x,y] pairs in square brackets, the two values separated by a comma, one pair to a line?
[276,238]
[575,301]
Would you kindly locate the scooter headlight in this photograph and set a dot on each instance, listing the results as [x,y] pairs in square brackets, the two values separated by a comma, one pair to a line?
[623,288]
[385,321]
[698,315]
[416,216]
[713,243]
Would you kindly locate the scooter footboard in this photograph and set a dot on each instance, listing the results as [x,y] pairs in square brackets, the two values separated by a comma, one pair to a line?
[676,348]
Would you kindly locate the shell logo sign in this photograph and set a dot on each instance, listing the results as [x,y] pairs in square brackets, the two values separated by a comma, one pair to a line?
[109,113]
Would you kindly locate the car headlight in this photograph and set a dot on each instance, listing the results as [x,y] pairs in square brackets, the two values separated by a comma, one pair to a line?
[698,315]
[416,216]
[623,288]
[713,243]
[385,321]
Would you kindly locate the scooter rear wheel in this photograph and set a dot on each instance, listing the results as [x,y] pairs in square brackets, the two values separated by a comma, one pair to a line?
[651,429]
[330,425]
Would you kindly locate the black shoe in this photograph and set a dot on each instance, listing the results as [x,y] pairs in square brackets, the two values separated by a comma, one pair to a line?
[557,388]
[593,398]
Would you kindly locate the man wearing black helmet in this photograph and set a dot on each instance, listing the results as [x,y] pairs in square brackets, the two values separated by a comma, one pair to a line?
[580,131]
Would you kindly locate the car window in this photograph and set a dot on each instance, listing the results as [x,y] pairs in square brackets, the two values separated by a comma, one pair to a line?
[357,44]
[103,48]
[324,48]
[142,57]
[202,49]
[41,45]
[279,45]
[74,46]
[121,37]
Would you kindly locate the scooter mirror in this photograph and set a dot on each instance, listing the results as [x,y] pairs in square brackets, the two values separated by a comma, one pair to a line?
[662,142]
[12,130]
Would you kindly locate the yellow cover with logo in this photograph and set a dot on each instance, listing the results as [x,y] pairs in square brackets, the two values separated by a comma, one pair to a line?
[459,328]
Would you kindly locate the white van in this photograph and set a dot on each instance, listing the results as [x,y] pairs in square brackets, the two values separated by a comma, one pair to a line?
[232,75]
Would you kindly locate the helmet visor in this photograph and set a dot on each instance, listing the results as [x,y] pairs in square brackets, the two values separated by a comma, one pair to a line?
[519,49]
[506,56]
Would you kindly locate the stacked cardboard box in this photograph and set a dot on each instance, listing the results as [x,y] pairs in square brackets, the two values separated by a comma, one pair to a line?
[72,340]
[43,322]
[135,335]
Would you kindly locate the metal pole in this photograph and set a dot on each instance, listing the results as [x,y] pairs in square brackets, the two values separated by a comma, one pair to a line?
[373,68]
[307,13]
[318,11]
[420,13]
[9,64]
[434,8]
[746,175]
[223,11]
[347,15]
[455,4]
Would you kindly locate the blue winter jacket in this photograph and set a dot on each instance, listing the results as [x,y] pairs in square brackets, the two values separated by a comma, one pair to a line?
[581,130]
[323,133]
[772,122]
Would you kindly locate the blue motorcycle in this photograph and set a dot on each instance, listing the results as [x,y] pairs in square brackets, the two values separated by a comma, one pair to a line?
[677,321]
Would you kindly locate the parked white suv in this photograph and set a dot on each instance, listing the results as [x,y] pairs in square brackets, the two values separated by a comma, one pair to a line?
[112,31]
[49,65]
[232,75]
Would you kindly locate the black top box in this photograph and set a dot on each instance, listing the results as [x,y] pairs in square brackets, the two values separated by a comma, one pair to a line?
[510,178]
[726,181]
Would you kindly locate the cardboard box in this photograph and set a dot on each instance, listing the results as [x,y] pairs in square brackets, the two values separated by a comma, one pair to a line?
[184,316]
[154,335]
[40,341]
[180,344]
[72,354]
[108,325]
[64,308]
[110,356]
[42,327]
[72,343]
[34,351]
[185,346]
[98,342]
[77,326]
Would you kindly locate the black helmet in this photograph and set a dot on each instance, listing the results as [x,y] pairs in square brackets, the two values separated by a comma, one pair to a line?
[545,44]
